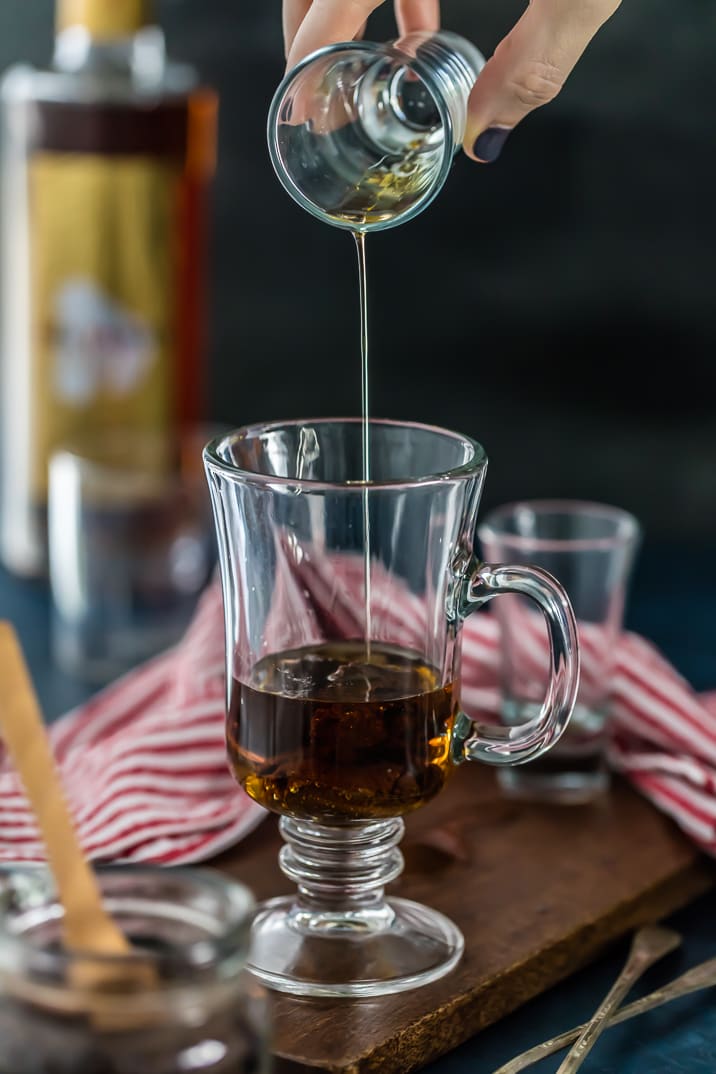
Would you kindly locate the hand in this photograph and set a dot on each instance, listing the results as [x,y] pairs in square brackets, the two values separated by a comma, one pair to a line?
[527,70]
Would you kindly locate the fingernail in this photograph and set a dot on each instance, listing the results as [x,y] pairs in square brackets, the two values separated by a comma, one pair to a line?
[488,145]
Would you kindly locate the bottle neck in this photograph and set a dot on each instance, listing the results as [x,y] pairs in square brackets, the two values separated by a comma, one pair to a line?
[109,38]
[104,20]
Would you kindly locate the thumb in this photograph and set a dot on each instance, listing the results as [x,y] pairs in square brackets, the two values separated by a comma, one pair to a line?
[529,69]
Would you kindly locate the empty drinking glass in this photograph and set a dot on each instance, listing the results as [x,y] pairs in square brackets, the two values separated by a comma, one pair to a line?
[131,547]
[590,548]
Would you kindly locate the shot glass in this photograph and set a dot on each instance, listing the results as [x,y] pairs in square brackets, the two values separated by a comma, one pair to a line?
[590,548]
[131,547]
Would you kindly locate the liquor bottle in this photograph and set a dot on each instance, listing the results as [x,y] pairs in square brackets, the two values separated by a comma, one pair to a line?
[106,162]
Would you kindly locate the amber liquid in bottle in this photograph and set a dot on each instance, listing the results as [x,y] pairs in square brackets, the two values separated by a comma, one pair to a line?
[106,176]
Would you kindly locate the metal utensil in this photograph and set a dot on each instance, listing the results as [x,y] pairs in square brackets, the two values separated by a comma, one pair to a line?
[648,946]
[694,980]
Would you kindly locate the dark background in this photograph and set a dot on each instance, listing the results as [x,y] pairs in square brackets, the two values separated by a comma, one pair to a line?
[558,305]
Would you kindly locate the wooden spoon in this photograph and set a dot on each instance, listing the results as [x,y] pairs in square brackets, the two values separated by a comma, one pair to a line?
[87,928]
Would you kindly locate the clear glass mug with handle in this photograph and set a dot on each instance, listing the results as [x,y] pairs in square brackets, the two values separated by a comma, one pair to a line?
[344,603]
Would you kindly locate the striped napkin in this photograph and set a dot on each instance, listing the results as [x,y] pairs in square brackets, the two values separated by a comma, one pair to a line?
[144,762]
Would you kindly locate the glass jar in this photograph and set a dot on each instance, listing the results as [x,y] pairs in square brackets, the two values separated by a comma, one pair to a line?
[195,1010]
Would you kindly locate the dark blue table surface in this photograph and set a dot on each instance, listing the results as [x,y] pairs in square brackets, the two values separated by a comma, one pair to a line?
[673,602]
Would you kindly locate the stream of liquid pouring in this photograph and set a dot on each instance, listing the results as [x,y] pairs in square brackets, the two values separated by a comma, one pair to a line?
[365,406]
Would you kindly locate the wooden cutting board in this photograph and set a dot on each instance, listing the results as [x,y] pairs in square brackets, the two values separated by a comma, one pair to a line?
[538,891]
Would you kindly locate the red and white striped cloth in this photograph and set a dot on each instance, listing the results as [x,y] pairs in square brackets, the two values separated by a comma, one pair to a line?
[144,762]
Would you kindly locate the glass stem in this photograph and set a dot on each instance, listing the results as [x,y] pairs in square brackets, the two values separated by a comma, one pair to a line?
[341,873]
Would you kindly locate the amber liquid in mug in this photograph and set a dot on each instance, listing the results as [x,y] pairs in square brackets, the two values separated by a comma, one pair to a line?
[331,733]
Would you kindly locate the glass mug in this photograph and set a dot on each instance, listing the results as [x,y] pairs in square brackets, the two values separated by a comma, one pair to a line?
[343,610]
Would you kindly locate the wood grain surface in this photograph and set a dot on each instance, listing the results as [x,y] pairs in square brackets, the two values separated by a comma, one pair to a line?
[538,891]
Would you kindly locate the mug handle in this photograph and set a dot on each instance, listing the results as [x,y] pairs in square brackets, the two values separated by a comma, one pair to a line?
[517,745]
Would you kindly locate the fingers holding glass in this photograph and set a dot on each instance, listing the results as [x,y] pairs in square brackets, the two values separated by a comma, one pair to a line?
[294,12]
[327,21]
[412,15]
[529,68]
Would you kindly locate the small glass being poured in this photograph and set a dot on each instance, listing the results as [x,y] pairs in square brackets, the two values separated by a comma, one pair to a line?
[363,135]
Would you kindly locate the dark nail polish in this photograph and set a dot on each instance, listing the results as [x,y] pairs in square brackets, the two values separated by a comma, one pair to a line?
[286,111]
[488,145]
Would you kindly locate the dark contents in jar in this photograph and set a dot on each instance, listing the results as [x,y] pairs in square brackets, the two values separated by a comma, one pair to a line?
[34,1040]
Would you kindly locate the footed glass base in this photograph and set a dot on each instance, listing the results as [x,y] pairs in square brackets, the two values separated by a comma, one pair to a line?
[411,946]
[338,935]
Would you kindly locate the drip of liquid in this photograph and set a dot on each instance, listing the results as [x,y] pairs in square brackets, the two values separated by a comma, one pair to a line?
[365,405]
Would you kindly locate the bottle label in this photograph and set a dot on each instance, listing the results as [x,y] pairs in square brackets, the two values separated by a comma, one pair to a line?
[103,297]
